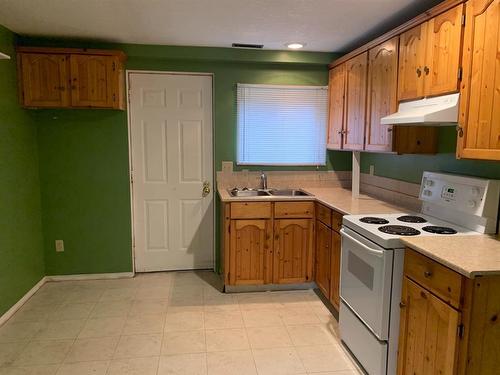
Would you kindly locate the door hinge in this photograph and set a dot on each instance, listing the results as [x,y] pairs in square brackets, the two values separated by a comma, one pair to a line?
[460,331]
[131,178]
[460,70]
[463,19]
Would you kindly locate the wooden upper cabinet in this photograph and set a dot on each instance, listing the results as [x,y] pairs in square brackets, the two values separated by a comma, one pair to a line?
[444,42]
[429,57]
[382,94]
[355,102]
[479,136]
[250,252]
[428,339]
[43,80]
[71,78]
[293,251]
[412,44]
[92,81]
[336,86]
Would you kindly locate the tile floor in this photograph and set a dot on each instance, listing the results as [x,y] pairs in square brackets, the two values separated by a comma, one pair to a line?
[170,323]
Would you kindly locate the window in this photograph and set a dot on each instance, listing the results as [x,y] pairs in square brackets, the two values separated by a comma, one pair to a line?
[282,125]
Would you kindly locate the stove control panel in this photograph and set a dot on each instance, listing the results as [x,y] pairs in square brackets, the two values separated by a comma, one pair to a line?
[461,193]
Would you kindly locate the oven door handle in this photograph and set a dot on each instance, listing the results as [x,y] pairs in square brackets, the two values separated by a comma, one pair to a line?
[378,253]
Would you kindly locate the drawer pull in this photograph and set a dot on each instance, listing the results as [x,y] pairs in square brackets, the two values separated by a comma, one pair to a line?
[427,274]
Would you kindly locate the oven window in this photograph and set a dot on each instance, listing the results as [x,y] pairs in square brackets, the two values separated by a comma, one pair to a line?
[362,270]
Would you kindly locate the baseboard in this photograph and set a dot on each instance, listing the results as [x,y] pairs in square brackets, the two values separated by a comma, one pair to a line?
[91,276]
[8,314]
[268,287]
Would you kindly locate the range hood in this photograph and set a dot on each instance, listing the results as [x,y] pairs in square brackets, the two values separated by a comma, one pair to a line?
[436,111]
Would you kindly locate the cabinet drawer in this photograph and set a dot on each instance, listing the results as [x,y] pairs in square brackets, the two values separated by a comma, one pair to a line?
[324,214]
[250,210]
[336,220]
[284,210]
[440,280]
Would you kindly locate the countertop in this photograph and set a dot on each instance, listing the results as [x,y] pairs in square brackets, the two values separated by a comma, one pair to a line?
[339,199]
[470,256]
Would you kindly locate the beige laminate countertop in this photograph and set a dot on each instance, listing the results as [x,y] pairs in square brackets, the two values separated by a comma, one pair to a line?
[470,256]
[339,199]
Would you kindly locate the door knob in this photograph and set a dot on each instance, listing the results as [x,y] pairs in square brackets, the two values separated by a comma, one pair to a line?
[206,189]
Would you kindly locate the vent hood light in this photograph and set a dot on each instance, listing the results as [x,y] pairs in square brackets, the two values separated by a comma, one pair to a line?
[436,111]
[295,45]
[3,56]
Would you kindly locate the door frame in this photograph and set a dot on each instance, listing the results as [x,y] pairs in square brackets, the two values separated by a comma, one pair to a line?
[128,73]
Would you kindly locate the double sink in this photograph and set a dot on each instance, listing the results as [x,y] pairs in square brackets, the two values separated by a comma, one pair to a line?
[246,192]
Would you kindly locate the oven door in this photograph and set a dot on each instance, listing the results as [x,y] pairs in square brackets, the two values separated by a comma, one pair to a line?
[366,281]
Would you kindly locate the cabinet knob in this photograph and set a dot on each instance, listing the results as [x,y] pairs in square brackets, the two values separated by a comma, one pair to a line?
[427,274]
[419,72]
[389,130]
[426,70]
[460,131]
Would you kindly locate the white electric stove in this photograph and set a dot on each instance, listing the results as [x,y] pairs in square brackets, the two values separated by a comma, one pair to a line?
[373,255]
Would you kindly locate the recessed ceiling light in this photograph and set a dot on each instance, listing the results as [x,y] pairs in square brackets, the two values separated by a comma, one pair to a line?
[295,45]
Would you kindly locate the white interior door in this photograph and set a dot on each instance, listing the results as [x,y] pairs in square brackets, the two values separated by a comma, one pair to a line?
[170,119]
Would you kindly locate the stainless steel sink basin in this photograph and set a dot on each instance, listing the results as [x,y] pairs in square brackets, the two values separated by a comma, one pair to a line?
[289,193]
[248,193]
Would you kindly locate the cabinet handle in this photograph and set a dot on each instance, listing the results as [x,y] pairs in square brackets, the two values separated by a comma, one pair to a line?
[402,304]
[427,274]
[460,131]
[426,70]
[389,130]
[419,72]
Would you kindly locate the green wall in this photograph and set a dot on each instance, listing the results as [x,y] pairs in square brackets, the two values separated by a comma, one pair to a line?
[21,252]
[410,167]
[84,153]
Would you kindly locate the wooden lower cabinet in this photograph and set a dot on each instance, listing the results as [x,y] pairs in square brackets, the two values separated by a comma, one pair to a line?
[327,275]
[261,245]
[335,270]
[250,254]
[323,256]
[428,333]
[293,251]
[436,337]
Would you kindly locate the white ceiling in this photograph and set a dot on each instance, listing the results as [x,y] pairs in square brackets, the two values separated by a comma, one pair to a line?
[323,25]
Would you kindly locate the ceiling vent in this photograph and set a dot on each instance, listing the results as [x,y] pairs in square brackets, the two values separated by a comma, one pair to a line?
[246,45]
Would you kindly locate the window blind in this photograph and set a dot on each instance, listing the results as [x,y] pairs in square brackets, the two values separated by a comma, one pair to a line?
[281,125]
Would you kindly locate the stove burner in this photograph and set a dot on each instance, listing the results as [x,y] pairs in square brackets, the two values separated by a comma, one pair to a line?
[400,230]
[374,220]
[412,219]
[439,230]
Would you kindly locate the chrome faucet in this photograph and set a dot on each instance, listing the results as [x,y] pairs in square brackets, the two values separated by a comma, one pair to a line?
[263,180]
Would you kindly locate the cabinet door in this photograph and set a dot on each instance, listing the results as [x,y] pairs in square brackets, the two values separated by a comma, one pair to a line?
[335,270]
[336,93]
[428,339]
[44,80]
[444,41]
[323,250]
[480,94]
[382,94]
[92,81]
[293,251]
[250,253]
[355,106]
[412,45]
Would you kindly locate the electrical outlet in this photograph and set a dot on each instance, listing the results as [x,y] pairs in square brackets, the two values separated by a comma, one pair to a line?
[372,170]
[59,246]
[227,166]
